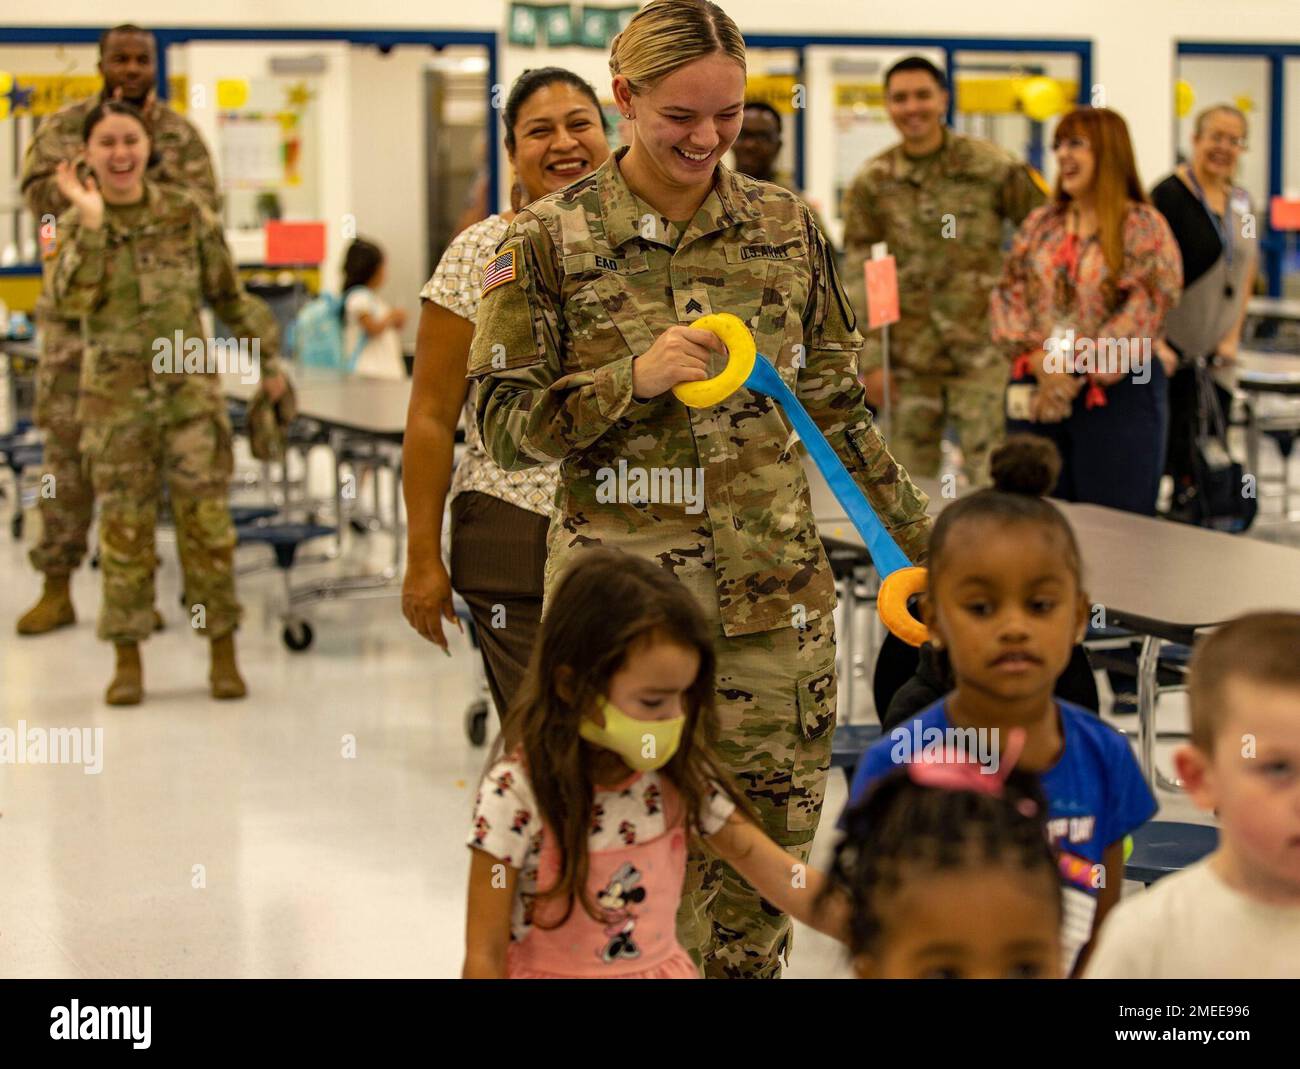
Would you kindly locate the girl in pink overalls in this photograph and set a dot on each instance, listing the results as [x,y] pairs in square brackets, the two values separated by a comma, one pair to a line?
[578,844]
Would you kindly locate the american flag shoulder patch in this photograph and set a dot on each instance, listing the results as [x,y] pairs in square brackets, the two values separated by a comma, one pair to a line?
[502,268]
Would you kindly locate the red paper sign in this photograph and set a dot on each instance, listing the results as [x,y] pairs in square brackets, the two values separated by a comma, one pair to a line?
[294,243]
[1285,214]
[882,292]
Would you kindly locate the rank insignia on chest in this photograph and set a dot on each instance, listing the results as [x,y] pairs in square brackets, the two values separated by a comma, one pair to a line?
[503,268]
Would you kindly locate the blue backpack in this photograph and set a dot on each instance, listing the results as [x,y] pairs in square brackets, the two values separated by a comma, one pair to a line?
[316,336]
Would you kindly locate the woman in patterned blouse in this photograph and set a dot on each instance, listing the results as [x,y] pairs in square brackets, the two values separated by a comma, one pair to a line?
[555,134]
[1081,302]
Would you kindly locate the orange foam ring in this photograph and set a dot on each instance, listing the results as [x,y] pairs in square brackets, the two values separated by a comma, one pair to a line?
[891,603]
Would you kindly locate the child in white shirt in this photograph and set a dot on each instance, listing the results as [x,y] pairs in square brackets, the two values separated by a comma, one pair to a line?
[1236,913]
[368,322]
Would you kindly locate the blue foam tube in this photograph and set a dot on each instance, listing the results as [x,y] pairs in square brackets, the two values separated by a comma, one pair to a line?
[885,554]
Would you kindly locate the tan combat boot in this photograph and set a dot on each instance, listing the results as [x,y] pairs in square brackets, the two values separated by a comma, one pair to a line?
[224,677]
[53,611]
[127,687]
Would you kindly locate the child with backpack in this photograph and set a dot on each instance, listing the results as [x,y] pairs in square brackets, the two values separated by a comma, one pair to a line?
[356,332]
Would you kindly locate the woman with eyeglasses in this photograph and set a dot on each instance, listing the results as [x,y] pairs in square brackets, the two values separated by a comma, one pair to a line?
[1082,300]
[1212,221]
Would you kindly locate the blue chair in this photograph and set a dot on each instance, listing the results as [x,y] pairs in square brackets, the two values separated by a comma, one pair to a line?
[284,539]
[243,515]
[849,743]
[1164,846]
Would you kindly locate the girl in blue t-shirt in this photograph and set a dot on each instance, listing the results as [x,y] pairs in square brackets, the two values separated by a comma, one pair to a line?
[1006,601]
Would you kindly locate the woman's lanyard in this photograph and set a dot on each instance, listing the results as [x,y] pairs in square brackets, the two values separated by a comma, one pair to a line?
[1220,224]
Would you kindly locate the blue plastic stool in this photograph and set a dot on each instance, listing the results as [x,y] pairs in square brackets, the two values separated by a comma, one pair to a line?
[848,745]
[243,515]
[1164,846]
[284,539]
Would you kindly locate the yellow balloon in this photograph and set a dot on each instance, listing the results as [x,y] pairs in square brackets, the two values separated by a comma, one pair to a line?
[1042,97]
[1184,98]
[232,93]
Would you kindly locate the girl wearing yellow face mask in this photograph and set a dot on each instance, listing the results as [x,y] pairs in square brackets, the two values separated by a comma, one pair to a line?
[604,767]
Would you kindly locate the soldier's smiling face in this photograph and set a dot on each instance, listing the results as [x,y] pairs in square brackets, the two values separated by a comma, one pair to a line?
[916,104]
[688,121]
[758,144]
[118,152]
[128,64]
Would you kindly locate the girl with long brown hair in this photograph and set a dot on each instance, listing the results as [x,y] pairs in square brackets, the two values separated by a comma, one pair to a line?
[606,765]
[1081,302]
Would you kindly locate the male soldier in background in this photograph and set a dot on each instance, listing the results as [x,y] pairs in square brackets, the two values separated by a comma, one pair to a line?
[941,200]
[759,144]
[127,62]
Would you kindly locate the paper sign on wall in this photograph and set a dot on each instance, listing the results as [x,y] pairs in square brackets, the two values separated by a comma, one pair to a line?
[882,291]
[294,243]
[1285,213]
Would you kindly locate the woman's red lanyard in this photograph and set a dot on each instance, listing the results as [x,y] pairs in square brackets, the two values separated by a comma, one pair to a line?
[1067,259]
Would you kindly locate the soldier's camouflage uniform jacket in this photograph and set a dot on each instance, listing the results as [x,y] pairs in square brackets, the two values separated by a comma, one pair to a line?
[944,218]
[597,277]
[132,285]
[179,158]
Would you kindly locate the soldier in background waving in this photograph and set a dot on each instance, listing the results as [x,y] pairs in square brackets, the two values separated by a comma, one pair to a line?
[135,263]
[128,65]
[941,200]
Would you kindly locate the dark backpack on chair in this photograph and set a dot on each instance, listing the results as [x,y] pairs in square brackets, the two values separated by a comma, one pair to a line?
[908,681]
[1217,499]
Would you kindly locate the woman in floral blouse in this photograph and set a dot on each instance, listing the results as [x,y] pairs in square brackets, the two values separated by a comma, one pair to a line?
[1081,302]
[555,134]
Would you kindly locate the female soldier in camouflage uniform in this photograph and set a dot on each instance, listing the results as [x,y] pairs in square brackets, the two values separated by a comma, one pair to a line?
[135,261]
[580,336]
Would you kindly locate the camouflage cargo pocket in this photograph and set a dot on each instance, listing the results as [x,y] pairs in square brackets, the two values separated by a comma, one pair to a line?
[815,696]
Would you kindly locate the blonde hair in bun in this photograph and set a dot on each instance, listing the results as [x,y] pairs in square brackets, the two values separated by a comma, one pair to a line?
[668,34]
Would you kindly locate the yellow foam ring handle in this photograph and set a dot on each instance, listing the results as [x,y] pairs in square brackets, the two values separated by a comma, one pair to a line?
[891,602]
[740,362]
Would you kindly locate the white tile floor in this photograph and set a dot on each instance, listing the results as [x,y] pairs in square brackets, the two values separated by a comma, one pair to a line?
[236,839]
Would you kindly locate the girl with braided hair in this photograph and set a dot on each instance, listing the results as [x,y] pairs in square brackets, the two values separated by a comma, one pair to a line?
[949,875]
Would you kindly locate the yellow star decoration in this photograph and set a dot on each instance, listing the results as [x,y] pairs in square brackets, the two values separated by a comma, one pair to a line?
[1245,103]
[297,96]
